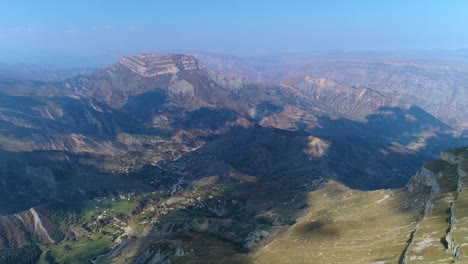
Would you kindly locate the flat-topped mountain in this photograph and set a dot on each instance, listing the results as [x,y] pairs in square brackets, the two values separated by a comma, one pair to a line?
[150,65]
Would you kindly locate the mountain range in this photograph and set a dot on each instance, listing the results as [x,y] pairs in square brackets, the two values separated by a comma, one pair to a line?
[161,159]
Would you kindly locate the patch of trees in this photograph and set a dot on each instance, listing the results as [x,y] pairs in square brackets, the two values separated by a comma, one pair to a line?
[25,255]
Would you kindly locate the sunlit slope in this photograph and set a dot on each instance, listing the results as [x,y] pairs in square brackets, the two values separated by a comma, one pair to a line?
[427,222]
[441,236]
[459,230]
[348,226]
[427,245]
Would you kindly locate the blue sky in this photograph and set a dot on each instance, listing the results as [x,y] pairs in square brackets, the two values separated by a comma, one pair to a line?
[65,31]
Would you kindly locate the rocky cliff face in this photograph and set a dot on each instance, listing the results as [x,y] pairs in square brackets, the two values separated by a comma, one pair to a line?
[439,89]
[18,230]
[445,210]
[354,103]
[385,226]
[150,65]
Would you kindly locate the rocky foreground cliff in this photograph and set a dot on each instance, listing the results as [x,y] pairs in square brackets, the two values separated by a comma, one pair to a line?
[441,233]
[424,223]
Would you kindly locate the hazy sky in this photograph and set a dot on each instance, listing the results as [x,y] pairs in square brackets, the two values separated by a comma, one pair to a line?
[63,31]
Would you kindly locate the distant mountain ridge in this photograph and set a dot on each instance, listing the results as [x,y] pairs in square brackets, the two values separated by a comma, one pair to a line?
[433,83]
[44,73]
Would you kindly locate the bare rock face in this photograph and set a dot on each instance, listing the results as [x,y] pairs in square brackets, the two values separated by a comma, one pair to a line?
[150,65]
[428,178]
[454,156]
[16,230]
[254,238]
[462,169]
[352,102]
[181,89]
[232,82]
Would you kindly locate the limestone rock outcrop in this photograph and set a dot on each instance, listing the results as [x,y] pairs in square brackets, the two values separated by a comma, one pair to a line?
[150,65]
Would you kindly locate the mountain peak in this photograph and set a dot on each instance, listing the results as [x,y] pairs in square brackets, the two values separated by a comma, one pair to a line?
[150,65]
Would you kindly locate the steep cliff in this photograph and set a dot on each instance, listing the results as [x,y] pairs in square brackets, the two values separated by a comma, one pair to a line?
[20,229]
[445,205]
[422,223]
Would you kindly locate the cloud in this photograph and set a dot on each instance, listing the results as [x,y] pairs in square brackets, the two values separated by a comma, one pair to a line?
[72,31]
[21,29]
[102,28]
